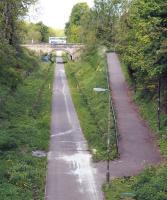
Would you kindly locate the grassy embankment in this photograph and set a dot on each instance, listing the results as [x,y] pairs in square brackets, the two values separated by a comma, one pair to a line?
[92,107]
[25,127]
[152,183]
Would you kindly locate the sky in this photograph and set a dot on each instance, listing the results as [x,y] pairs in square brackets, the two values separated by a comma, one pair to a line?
[54,13]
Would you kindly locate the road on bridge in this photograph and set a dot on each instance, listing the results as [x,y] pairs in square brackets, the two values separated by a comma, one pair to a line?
[71,173]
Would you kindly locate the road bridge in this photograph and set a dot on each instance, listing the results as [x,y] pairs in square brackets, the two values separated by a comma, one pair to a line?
[73,50]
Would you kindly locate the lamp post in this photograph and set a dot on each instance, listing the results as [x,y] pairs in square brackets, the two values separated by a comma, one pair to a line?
[101,90]
[108,131]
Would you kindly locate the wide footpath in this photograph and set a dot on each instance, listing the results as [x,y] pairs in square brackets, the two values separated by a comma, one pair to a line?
[71,173]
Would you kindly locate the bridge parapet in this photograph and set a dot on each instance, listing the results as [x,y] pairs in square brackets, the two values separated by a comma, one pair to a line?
[72,49]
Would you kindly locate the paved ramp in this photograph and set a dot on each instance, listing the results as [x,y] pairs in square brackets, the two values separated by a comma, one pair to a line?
[137,147]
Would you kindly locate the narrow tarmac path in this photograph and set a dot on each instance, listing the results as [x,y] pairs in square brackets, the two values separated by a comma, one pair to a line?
[137,147]
[71,174]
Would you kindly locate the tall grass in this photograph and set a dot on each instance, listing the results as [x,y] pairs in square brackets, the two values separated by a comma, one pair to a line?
[92,107]
[24,127]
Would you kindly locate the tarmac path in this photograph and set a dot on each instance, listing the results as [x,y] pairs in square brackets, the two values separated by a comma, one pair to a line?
[71,174]
[136,146]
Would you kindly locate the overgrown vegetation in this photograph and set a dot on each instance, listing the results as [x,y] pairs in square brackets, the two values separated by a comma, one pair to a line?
[24,127]
[149,185]
[11,15]
[92,107]
[25,99]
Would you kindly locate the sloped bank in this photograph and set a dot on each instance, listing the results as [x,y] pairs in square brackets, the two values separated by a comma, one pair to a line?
[92,107]
[25,127]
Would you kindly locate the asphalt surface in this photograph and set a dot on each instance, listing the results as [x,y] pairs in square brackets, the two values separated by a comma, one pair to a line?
[137,146]
[71,174]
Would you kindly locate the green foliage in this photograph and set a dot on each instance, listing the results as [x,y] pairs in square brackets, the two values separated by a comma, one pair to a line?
[150,184]
[44,31]
[38,32]
[24,118]
[30,31]
[73,27]
[142,47]
[24,127]
[96,24]
[92,107]
[15,65]
[11,12]
[106,13]
[119,186]
[57,32]
[136,29]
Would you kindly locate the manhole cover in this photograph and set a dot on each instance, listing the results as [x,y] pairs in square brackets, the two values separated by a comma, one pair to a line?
[39,154]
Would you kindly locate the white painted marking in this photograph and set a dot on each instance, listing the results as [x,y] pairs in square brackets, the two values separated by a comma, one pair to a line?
[62,133]
[65,92]
[72,142]
[80,161]
[80,164]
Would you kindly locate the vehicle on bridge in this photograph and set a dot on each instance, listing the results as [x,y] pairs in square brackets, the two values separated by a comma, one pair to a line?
[57,40]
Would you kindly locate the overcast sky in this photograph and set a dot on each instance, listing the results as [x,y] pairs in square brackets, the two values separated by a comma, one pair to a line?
[55,13]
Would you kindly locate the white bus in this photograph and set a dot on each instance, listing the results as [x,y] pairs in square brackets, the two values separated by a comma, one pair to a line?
[57,40]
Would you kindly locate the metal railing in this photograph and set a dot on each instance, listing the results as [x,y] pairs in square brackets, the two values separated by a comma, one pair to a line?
[112,110]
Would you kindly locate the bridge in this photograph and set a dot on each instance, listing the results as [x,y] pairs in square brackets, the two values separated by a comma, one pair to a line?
[73,50]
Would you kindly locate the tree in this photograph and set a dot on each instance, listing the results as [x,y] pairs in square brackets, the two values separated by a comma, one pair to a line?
[73,27]
[143,43]
[30,32]
[11,11]
[11,15]
[44,31]
[106,14]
